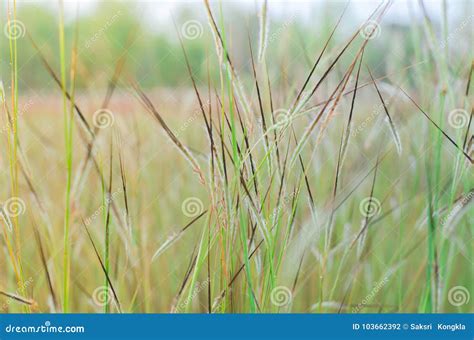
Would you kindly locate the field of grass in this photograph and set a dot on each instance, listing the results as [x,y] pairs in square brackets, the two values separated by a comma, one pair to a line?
[317,169]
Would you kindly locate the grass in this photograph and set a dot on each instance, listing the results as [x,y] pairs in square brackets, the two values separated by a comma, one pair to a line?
[327,186]
[68,130]
[12,142]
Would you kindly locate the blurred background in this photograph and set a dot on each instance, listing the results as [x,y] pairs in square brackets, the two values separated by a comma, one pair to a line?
[412,262]
[144,30]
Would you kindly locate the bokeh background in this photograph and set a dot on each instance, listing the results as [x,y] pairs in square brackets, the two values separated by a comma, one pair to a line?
[153,231]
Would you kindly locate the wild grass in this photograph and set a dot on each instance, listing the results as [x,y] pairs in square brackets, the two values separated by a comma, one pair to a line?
[322,187]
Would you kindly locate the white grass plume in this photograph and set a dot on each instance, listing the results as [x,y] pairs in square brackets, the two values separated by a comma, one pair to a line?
[395,135]
[169,241]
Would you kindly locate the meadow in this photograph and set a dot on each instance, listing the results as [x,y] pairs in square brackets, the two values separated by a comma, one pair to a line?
[243,164]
